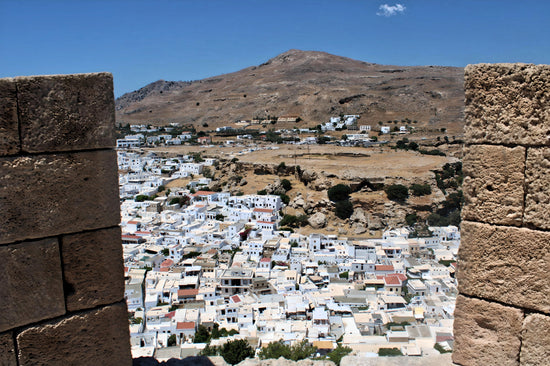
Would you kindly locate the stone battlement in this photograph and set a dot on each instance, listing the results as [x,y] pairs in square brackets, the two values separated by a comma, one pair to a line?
[502,314]
[62,290]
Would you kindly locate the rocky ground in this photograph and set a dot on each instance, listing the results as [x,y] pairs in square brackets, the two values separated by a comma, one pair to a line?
[366,171]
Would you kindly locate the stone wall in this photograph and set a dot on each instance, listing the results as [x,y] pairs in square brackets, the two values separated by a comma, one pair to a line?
[502,314]
[61,268]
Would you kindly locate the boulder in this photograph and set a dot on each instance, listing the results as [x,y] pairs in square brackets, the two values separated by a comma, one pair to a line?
[318,220]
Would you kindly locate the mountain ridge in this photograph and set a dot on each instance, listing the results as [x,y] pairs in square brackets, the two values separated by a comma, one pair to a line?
[312,84]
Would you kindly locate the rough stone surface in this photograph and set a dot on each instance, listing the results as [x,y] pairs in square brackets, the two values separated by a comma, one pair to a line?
[506,264]
[47,195]
[318,220]
[537,176]
[535,341]
[97,337]
[32,283]
[66,112]
[7,350]
[486,333]
[93,270]
[493,184]
[425,360]
[9,127]
[507,104]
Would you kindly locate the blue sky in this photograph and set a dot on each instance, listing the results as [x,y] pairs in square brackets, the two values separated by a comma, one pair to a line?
[144,41]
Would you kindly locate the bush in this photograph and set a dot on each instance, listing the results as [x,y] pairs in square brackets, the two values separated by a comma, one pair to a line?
[286,184]
[344,275]
[343,209]
[420,189]
[389,352]
[411,219]
[236,351]
[337,354]
[142,197]
[397,192]
[413,146]
[285,199]
[172,340]
[339,192]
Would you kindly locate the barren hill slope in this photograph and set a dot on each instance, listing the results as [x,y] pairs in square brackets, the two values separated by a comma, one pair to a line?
[313,85]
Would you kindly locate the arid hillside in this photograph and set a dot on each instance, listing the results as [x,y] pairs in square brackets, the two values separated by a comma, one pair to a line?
[313,85]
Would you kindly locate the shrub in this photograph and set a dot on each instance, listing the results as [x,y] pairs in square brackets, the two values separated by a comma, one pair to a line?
[339,192]
[236,351]
[286,184]
[389,352]
[343,209]
[285,199]
[337,354]
[172,340]
[411,219]
[420,189]
[397,192]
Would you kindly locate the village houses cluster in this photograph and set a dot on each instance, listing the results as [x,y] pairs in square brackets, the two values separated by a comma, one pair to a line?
[195,257]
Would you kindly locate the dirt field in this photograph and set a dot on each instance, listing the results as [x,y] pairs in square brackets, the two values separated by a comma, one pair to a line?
[342,161]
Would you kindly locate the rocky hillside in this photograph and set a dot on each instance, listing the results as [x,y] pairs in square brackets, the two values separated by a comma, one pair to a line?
[313,85]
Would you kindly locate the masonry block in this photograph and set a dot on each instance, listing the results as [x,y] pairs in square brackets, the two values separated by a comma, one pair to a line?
[7,350]
[505,264]
[66,112]
[9,127]
[507,104]
[93,269]
[96,337]
[47,195]
[535,340]
[537,176]
[486,333]
[493,184]
[32,283]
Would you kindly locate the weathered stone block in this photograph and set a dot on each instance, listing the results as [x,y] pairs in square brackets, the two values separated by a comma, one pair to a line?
[96,337]
[93,269]
[486,333]
[9,127]
[32,283]
[48,195]
[535,340]
[7,350]
[66,112]
[537,176]
[505,264]
[507,104]
[493,184]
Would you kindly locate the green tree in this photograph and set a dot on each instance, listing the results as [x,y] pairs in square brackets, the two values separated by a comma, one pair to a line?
[285,199]
[420,189]
[202,335]
[344,275]
[286,184]
[301,350]
[339,192]
[411,219]
[397,192]
[275,350]
[236,351]
[343,209]
[413,146]
[165,252]
[210,351]
[172,340]
[337,354]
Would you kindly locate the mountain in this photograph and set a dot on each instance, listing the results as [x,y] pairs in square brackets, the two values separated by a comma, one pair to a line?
[314,85]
